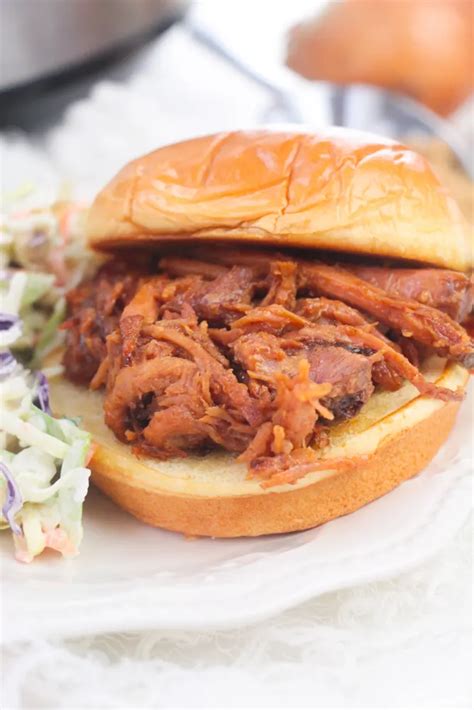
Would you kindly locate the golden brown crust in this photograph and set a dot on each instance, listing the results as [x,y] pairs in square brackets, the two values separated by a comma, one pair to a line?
[394,436]
[397,459]
[340,189]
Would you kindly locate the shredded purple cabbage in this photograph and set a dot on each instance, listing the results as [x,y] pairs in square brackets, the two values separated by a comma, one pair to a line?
[38,238]
[13,501]
[7,363]
[42,393]
[7,321]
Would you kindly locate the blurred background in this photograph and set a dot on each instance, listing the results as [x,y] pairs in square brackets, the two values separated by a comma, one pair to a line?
[87,84]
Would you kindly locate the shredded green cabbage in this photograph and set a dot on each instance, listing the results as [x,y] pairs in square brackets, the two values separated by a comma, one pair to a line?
[45,458]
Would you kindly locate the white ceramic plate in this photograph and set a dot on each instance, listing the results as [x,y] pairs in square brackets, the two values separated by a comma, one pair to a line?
[130,576]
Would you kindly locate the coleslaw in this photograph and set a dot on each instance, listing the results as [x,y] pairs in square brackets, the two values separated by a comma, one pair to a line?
[43,460]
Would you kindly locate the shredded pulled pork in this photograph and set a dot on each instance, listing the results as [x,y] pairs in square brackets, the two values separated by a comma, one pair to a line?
[449,291]
[256,353]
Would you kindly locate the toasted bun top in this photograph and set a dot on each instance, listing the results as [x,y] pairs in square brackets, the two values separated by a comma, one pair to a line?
[337,189]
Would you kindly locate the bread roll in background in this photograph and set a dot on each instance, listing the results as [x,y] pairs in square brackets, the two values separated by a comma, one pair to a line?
[422,48]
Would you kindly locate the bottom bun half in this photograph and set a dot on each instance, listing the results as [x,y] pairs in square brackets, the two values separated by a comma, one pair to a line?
[392,439]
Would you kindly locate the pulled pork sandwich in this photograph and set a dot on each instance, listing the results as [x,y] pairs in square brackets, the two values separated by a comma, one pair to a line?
[277,337]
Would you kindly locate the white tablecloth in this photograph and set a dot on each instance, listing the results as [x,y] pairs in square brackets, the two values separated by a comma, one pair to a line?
[403,642]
